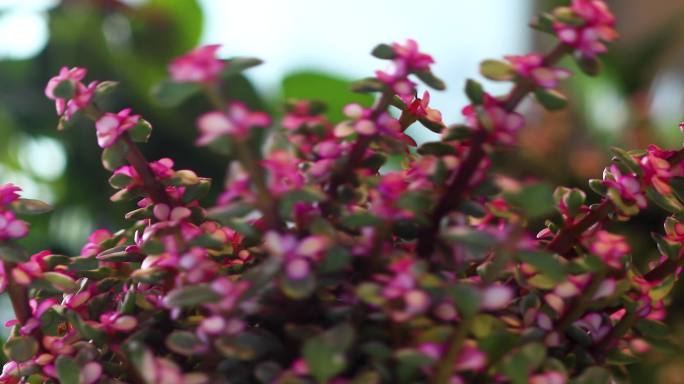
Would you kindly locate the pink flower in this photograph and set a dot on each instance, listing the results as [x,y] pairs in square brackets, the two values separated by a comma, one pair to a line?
[597,28]
[115,322]
[401,290]
[496,297]
[420,108]
[407,59]
[299,255]
[162,170]
[531,66]
[364,122]
[624,190]
[197,66]
[236,121]
[656,169]
[470,359]
[24,273]
[8,194]
[82,94]
[284,174]
[503,124]
[72,75]
[11,227]
[551,377]
[92,247]
[110,126]
[300,114]
[411,57]
[611,248]
[384,200]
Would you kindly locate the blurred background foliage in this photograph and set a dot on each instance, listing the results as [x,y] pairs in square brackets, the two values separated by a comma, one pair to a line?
[638,99]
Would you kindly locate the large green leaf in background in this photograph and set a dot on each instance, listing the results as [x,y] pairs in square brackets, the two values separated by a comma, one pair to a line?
[333,91]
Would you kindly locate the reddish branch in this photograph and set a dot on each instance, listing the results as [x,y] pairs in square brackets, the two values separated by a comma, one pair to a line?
[135,158]
[566,238]
[459,184]
[355,157]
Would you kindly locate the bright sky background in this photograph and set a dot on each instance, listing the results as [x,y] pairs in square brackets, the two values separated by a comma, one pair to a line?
[325,35]
[337,36]
[332,36]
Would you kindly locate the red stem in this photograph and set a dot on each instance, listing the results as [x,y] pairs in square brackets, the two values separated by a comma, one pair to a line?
[155,190]
[459,184]
[358,150]
[565,239]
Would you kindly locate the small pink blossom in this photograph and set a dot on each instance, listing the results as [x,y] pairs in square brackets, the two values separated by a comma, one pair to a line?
[656,169]
[236,121]
[503,124]
[496,297]
[598,27]
[198,66]
[11,227]
[411,56]
[8,194]
[470,359]
[407,59]
[419,107]
[628,195]
[552,377]
[110,126]
[611,248]
[531,66]
[82,94]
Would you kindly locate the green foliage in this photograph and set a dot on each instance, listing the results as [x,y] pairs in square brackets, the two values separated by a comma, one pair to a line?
[332,91]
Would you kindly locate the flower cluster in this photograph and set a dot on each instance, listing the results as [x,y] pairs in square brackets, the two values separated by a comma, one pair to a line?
[198,66]
[531,66]
[69,93]
[324,260]
[10,226]
[585,26]
[406,59]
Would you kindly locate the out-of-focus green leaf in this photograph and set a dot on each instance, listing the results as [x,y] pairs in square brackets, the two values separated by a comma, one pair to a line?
[332,91]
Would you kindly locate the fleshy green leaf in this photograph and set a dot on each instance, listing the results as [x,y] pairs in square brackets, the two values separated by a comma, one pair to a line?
[497,70]
[30,207]
[325,353]
[383,51]
[534,201]
[184,343]
[20,348]
[115,156]
[432,81]
[368,85]
[68,371]
[13,253]
[237,65]
[590,66]
[191,296]
[60,281]
[474,91]
[594,375]
[543,23]
[624,158]
[171,94]
[551,99]
[361,219]
[65,89]
[457,132]
[546,263]
[141,132]
[467,299]
[437,148]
